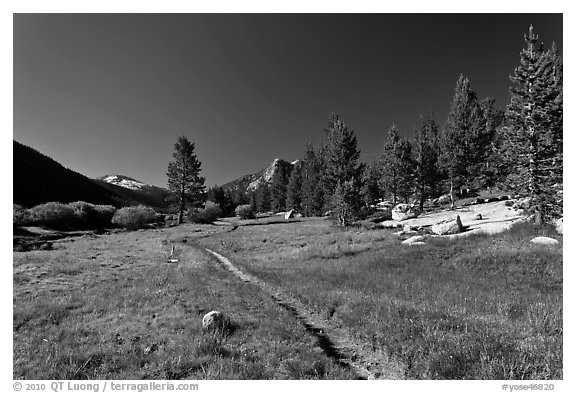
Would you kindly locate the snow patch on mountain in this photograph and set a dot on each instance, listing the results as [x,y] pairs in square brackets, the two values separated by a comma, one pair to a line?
[125,182]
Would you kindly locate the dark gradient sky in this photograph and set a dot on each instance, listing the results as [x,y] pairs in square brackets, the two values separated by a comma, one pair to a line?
[109,94]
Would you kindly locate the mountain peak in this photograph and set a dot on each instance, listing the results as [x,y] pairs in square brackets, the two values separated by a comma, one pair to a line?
[252,182]
[124,181]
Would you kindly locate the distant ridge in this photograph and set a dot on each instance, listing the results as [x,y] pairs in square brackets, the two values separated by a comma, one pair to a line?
[135,190]
[39,179]
[252,182]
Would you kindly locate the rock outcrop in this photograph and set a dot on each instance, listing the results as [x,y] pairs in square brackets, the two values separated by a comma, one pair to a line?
[404,211]
[448,227]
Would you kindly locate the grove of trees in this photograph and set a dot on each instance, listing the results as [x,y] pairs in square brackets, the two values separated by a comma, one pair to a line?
[480,146]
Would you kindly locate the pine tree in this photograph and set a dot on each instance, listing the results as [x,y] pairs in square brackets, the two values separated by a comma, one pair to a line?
[263,198]
[533,132]
[397,167]
[484,152]
[278,189]
[218,195]
[371,192]
[427,175]
[184,176]
[294,188]
[312,191]
[343,213]
[340,158]
[455,138]
[341,155]
[252,199]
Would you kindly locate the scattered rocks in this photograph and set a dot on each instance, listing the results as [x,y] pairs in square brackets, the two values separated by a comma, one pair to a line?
[448,227]
[478,216]
[404,211]
[390,225]
[413,239]
[510,203]
[544,241]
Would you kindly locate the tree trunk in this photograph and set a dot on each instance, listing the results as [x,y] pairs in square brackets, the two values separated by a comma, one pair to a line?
[451,193]
[181,214]
[422,197]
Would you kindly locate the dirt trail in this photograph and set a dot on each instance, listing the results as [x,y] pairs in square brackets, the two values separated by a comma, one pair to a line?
[337,342]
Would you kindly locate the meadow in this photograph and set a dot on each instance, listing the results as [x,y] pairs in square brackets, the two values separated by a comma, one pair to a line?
[111,306]
[480,307]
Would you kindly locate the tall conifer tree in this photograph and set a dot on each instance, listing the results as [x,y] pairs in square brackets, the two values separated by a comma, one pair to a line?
[397,167]
[427,174]
[294,188]
[533,132]
[312,191]
[341,155]
[184,176]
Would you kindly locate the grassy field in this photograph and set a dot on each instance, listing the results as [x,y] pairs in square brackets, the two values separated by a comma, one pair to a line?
[482,307]
[109,306]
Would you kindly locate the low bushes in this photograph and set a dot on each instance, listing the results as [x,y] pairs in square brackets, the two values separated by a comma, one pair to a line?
[208,215]
[134,217]
[53,215]
[89,216]
[244,212]
[20,216]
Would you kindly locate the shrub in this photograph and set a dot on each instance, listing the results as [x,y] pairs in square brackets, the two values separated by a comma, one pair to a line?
[92,216]
[105,213]
[134,217]
[20,216]
[208,215]
[244,212]
[53,215]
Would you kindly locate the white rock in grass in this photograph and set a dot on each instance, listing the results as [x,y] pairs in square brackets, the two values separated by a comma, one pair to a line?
[559,224]
[213,320]
[417,244]
[413,239]
[544,241]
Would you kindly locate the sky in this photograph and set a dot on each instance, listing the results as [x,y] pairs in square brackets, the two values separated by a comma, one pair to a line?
[110,93]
